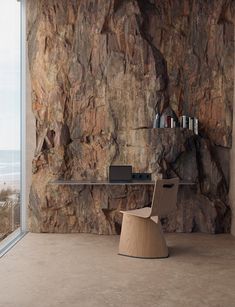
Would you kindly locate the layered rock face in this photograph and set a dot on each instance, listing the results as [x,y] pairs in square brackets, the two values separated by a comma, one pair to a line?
[100,70]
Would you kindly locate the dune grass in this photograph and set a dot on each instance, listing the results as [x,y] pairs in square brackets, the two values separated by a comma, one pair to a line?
[5,193]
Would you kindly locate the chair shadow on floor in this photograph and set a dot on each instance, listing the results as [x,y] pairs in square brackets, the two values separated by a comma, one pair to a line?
[177,250]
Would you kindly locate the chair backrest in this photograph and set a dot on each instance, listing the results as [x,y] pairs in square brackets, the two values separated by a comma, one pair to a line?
[164,196]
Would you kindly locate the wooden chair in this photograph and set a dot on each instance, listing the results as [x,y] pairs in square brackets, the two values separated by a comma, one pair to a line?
[141,234]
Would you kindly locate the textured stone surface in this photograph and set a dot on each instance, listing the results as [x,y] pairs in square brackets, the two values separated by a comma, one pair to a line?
[196,39]
[99,71]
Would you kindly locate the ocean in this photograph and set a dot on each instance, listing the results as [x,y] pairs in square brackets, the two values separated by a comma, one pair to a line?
[9,168]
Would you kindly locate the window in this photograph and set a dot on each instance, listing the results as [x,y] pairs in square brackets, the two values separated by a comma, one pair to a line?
[10,122]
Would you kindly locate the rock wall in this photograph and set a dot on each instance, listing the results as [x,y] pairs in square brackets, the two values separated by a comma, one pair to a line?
[100,70]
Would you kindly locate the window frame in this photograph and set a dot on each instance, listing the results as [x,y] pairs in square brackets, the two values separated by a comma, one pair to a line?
[19,233]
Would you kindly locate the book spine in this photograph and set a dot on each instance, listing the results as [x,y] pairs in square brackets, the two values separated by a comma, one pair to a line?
[195,126]
[184,121]
[190,123]
[168,121]
[162,121]
[156,122]
[165,122]
[187,122]
[181,122]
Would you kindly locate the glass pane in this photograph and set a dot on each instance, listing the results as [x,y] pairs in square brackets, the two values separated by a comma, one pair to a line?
[9,117]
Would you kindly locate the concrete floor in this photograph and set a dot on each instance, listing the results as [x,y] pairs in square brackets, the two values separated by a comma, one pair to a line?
[52,270]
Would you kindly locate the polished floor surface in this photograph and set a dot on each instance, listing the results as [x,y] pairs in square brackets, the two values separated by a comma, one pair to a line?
[52,270]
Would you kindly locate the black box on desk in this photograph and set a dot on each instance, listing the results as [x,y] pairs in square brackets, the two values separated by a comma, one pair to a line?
[141,176]
[120,173]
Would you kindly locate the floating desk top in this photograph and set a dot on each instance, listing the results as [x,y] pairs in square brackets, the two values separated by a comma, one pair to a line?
[78,182]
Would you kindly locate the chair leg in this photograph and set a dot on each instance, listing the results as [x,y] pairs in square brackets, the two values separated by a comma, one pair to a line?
[142,238]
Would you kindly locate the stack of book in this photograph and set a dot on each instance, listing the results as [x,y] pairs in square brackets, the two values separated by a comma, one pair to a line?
[190,123]
[186,122]
[164,122]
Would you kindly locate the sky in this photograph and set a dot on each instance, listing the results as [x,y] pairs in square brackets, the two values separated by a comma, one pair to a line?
[9,74]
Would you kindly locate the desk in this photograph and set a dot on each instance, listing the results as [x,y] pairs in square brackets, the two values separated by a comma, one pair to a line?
[82,182]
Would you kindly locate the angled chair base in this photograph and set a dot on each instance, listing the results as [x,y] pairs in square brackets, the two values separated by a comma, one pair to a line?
[142,237]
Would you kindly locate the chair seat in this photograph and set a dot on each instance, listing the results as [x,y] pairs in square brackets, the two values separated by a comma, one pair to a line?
[142,212]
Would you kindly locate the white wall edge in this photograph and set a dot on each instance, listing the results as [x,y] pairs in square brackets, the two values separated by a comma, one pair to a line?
[23,118]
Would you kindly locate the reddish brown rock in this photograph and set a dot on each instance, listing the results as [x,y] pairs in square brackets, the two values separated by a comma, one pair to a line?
[196,39]
[100,70]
